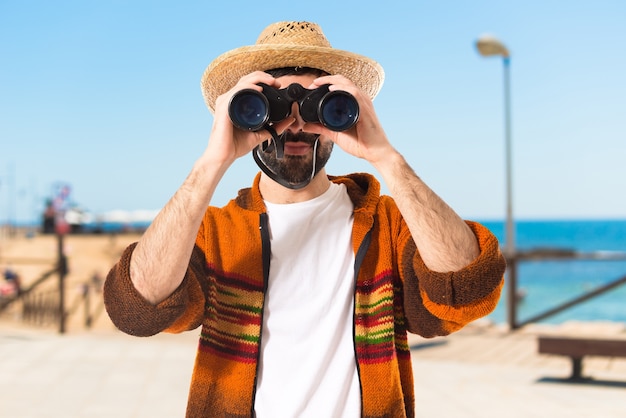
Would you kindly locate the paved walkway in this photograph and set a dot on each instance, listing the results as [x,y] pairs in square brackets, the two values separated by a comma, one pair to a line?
[107,374]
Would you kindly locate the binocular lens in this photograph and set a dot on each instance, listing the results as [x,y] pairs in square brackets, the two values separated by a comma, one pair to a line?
[249,110]
[339,111]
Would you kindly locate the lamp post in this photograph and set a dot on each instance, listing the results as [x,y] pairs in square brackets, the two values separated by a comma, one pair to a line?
[488,46]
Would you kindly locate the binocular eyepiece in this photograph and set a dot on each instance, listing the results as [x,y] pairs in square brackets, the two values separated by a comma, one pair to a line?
[252,110]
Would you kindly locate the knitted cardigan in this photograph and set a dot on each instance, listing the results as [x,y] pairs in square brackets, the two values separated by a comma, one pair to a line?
[224,287]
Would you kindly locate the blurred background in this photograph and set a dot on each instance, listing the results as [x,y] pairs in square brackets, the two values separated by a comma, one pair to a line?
[101,119]
[101,114]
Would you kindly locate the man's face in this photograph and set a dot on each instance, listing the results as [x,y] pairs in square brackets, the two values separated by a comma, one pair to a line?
[297,164]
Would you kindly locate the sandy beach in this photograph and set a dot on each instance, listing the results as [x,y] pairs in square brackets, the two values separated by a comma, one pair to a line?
[481,371]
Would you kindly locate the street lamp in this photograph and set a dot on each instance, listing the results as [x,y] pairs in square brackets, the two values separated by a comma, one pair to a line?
[488,46]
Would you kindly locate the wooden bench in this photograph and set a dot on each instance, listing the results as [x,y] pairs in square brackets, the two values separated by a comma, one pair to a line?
[576,348]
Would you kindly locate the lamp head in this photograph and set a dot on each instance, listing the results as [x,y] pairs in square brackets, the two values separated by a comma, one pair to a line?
[489,45]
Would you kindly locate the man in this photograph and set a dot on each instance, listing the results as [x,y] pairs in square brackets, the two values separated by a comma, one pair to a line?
[305,285]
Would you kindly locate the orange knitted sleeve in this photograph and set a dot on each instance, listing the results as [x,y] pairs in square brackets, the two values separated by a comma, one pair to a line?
[438,303]
[134,315]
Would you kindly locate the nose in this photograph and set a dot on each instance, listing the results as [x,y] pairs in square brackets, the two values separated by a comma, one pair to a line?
[298,124]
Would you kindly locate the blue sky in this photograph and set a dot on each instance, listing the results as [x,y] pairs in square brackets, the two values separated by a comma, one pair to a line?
[105,96]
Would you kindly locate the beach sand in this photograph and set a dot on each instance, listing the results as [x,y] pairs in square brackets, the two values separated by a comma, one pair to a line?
[483,370]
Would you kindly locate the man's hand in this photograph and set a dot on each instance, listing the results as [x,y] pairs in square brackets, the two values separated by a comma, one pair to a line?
[227,143]
[366,139]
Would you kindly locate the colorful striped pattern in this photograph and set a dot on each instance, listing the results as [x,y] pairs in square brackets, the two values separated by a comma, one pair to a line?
[374,319]
[232,325]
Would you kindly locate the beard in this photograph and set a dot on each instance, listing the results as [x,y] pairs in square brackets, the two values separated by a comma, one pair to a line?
[297,169]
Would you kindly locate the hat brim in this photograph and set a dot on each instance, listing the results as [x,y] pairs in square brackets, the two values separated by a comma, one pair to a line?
[226,70]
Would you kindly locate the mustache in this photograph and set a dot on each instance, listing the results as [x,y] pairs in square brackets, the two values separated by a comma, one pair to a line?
[307,138]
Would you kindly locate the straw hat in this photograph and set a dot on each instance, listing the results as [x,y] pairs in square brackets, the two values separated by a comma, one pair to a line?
[289,44]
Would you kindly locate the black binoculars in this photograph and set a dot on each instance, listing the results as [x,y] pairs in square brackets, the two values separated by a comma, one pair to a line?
[252,110]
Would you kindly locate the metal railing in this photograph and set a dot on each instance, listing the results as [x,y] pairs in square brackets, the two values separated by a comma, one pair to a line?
[552,254]
[43,303]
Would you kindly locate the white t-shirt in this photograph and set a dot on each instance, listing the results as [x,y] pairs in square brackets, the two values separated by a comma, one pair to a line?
[308,365]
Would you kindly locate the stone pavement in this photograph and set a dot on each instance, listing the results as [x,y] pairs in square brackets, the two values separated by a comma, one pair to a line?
[104,373]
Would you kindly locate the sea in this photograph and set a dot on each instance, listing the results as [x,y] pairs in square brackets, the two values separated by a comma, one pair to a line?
[547,283]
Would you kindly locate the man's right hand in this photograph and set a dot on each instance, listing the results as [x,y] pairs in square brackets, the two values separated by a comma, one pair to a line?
[227,143]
